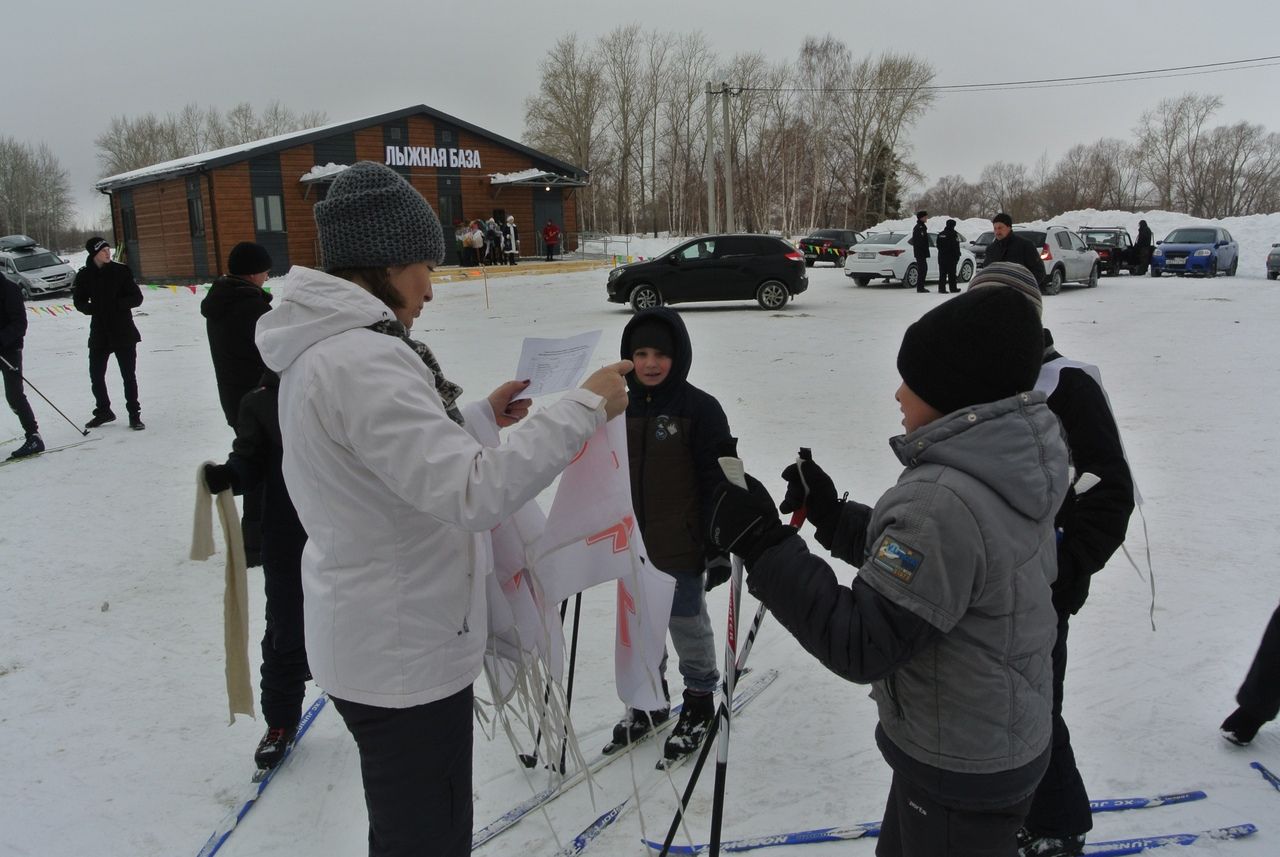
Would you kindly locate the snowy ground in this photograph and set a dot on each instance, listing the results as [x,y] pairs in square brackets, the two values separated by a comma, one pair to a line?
[112,707]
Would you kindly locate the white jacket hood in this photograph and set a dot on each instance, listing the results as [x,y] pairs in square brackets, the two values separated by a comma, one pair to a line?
[312,306]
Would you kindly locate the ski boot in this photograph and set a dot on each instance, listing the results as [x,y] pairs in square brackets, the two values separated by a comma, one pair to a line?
[272,749]
[636,725]
[690,730]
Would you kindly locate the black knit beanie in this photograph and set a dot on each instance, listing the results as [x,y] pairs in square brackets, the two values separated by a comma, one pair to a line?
[93,245]
[247,259]
[373,218]
[652,333]
[981,346]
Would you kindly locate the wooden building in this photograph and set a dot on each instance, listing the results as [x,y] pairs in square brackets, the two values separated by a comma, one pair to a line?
[178,220]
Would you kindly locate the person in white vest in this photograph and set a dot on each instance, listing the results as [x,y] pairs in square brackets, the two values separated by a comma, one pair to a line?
[1091,527]
[398,486]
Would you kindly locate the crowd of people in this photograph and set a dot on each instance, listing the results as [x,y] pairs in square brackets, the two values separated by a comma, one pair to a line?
[369,489]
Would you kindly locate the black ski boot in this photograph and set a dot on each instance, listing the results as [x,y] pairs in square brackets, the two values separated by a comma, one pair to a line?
[1239,727]
[273,747]
[100,419]
[1030,845]
[691,729]
[35,446]
[136,423]
[635,726]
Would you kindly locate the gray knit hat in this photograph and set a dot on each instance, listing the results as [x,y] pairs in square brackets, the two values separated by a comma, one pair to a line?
[1014,276]
[373,218]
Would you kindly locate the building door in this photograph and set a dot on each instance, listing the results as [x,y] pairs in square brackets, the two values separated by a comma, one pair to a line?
[129,226]
[449,209]
[548,205]
[269,227]
[195,222]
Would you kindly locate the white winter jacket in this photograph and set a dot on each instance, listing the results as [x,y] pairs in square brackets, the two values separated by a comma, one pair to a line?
[396,498]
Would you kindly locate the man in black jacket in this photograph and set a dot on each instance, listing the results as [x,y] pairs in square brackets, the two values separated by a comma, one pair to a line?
[1091,527]
[231,311]
[13,329]
[920,243]
[1008,247]
[948,258]
[105,290]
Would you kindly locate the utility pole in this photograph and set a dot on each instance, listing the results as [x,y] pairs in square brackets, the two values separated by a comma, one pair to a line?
[711,165]
[728,159]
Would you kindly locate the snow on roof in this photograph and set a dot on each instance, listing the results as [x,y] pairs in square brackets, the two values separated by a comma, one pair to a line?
[319,173]
[523,175]
[190,161]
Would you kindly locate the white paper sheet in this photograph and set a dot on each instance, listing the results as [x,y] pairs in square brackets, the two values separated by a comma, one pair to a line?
[554,365]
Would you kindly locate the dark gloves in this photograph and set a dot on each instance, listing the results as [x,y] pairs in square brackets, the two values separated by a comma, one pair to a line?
[218,478]
[744,522]
[1071,587]
[819,498]
[719,567]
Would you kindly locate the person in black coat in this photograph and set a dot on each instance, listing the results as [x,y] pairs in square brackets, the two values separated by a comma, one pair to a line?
[255,462]
[105,290]
[231,310]
[948,258]
[13,329]
[1008,247]
[1259,696]
[920,243]
[1142,247]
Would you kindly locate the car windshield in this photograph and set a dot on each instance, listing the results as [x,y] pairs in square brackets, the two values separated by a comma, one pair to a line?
[35,261]
[883,238]
[1191,236]
[985,238]
[1036,238]
[1101,236]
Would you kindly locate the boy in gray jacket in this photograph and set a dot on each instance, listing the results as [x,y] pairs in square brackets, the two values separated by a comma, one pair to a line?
[950,617]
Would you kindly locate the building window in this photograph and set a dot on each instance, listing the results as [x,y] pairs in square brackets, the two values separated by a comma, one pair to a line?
[268,213]
[195,216]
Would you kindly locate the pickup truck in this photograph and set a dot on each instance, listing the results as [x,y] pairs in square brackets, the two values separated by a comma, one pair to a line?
[1115,250]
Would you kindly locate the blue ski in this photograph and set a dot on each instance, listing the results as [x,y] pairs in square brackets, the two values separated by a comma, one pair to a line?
[1120,847]
[872,828]
[1266,775]
[553,791]
[228,824]
[583,839]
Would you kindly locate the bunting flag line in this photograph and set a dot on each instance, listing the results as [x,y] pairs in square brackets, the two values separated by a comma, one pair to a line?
[56,310]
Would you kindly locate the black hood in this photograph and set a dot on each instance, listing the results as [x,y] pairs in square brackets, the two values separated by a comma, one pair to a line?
[680,361]
[228,291]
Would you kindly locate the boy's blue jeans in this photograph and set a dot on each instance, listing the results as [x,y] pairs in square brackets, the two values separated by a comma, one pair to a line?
[692,636]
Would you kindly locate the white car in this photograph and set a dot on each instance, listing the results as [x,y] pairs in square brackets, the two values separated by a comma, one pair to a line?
[890,256]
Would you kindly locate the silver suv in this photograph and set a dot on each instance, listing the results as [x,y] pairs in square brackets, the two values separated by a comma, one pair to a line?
[1067,259]
[37,271]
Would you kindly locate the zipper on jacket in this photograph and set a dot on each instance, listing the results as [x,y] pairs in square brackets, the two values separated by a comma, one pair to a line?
[890,686]
[471,582]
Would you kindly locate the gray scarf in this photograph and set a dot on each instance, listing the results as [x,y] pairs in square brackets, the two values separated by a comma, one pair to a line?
[449,391]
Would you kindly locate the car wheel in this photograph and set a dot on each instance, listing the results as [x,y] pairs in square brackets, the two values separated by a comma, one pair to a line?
[911,279]
[1093,278]
[1271,275]
[1235,263]
[808,263]
[26,293]
[1213,269]
[645,296]
[840,260]
[1155,272]
[1053,285]
[864,280]
[772,295]
[966,271]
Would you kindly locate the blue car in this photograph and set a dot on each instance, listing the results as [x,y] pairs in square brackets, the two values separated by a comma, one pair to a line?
[1203,251]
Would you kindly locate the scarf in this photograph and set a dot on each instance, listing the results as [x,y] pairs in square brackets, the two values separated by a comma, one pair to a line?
[449,391]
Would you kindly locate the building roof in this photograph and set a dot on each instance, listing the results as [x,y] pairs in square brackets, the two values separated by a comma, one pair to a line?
[243,152]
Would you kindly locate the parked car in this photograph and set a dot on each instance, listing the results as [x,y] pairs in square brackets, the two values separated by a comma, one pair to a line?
[37,271]
[1067,259]
[1114,247]
[978,247]
[889,256]
[828,245]
[1273,262]
[763,268]
[1200,250]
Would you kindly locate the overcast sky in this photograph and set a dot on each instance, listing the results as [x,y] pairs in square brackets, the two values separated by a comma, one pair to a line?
[68,67]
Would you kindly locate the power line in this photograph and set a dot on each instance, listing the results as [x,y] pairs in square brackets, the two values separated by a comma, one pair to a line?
[1048,82]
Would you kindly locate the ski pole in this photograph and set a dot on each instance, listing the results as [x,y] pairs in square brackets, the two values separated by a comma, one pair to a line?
[531,759]
[573,661]
[26,380]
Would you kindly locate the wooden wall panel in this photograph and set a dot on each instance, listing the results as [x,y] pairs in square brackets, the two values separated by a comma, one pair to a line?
[235,208]
[298,218]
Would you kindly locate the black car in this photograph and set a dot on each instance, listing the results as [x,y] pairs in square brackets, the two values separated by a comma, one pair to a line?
[763,268]
[828,245]
[1114,248]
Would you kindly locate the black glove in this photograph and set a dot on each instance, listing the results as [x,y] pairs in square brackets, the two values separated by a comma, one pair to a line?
[820,498]
[218,478]
[719,567]
[744,522]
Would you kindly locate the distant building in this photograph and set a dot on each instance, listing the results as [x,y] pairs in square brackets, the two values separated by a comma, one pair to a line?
[178,220]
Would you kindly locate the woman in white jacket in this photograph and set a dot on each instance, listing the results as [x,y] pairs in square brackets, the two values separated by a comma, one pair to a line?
[397,488]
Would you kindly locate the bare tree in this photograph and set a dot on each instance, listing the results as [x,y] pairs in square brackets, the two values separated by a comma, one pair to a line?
[953,196]
[35,194]
[1007,187]
[619,55]
[1167,137]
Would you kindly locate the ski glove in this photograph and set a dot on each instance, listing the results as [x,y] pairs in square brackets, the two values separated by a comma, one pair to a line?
[819,497]
[218,478]
[718,568]
[744,522]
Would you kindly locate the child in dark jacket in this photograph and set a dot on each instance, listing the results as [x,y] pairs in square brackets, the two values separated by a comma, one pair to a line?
[254,462]
[674,433]
[950,616]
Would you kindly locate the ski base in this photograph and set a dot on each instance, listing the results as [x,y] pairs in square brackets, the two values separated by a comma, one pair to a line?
[48,450]
[1266,775]
[1120,847]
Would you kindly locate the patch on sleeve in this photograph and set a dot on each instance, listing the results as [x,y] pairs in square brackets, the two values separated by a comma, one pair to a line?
[899,559]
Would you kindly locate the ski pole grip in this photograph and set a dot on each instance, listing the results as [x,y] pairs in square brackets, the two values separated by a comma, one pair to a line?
[798,516]
[734,471]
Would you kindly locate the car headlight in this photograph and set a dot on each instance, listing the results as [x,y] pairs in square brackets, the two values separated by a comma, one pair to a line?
[1158,252]
[613,275]
[1204,251]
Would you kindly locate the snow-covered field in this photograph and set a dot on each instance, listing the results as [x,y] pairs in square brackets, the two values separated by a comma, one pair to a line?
[113,725]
